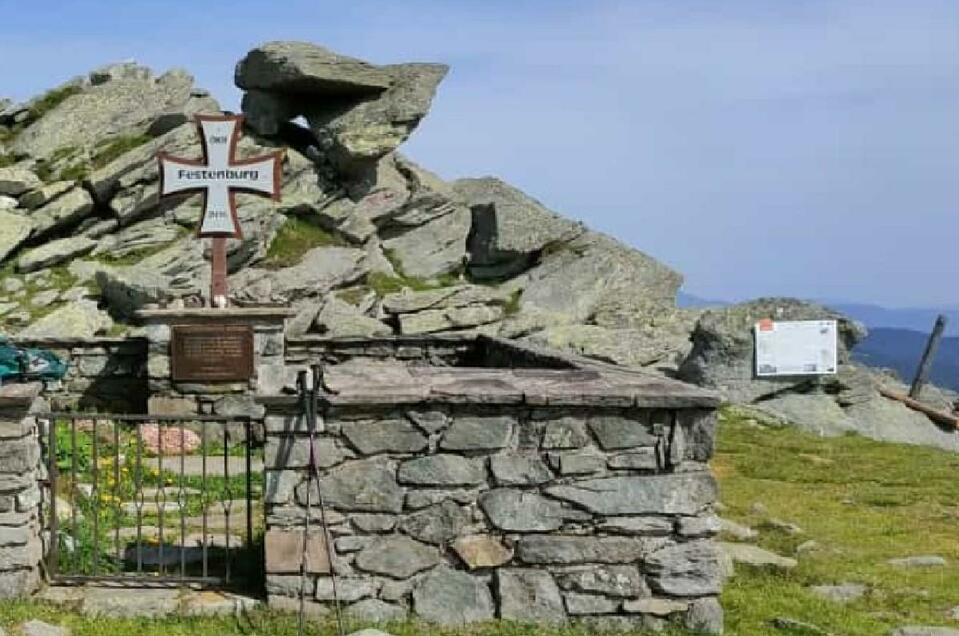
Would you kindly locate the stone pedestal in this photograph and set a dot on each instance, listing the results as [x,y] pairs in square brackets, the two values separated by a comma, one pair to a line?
[171,397]
[22,501]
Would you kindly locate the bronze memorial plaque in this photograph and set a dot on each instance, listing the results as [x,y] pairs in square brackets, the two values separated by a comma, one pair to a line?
[211,353]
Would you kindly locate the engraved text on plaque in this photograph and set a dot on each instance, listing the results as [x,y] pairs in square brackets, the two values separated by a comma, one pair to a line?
[211,353]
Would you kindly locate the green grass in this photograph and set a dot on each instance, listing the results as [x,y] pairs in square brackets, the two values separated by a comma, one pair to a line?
[49,101]
[135,256]
[116,147]
[863,502]
[297,236]
[259,622]
[511,307]
[384,284]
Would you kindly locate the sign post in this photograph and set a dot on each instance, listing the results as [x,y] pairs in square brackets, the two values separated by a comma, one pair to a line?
[218,175]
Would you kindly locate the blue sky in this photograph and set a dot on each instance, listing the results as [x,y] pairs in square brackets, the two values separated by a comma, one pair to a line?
[794,147]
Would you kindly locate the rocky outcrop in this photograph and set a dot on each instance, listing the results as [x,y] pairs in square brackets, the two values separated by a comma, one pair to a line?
[360,111]
[723,354]
[364,241]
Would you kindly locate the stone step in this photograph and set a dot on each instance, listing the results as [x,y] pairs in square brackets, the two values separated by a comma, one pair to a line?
[193,465]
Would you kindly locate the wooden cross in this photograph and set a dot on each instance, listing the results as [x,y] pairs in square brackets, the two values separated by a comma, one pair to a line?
[218,175]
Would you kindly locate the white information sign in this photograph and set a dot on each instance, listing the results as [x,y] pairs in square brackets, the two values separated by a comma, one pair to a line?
[799,347]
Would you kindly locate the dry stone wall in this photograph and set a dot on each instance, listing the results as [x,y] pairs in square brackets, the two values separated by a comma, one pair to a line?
[21,497]
[464,512]
[106,374]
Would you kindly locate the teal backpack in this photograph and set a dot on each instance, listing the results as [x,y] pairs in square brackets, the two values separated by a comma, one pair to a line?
[21,364]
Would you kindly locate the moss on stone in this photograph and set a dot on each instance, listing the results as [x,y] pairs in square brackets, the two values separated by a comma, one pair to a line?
[116,147]
[74,172]
[511,307]
[297,236]
[353,295]
[49,101]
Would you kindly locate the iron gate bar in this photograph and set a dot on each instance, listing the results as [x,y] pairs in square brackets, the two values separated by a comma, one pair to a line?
[114,492]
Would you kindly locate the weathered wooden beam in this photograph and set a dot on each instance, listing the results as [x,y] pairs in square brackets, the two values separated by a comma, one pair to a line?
[947,419]
[925,363]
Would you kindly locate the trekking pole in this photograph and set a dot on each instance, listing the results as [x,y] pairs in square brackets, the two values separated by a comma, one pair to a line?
[310,398]
[305,406]
[314,468]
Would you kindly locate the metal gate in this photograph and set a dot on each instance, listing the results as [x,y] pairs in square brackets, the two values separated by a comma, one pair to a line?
[150,499]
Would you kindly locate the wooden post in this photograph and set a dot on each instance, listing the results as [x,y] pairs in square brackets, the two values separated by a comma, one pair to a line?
[925,364]
[218,282]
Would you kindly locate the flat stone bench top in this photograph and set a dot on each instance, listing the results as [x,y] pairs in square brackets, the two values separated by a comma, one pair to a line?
[364,382]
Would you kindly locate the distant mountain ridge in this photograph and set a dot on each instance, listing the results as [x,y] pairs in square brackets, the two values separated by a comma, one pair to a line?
[911,318]
[900,350]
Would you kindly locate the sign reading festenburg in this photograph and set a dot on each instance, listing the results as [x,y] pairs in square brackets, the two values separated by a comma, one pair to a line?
[796,347]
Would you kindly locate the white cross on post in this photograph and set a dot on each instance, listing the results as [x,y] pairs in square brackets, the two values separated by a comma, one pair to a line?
[218,176]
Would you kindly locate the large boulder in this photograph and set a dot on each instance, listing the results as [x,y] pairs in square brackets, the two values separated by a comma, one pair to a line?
[723,354]
[80,319]
[112,103]
[14,230]
[359,111]
[55,252]
[509,229]
[16,180]
[321,270]
[595,279]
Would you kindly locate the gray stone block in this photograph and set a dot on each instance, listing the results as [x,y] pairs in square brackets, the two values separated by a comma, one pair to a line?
[373,523]
[643,458]
[241,405]
[442,470]
[699,433]
[586,604]
[519,470]
[381,436]
[397,557]
[515,510]
[623,581]
[615,432]
[348,589]
[436,524]
[655,606]
[529,596]
[451,597]
[432,422]
[289,584]
[697,527]
[578,463]
[287,451]
[705,615]
[289,424]
[19,583]
[21,556]
[19,456]
[684,494]
[686,569]
[565,433]
[367,485]
[650,526]
[478,433]
[280,485]
[572,550]
[417,499]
